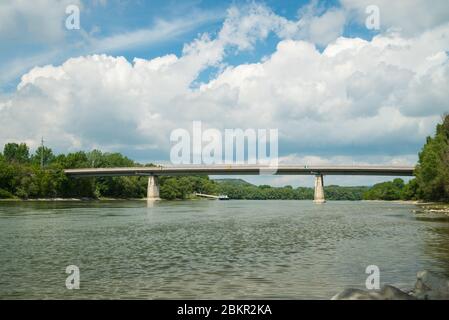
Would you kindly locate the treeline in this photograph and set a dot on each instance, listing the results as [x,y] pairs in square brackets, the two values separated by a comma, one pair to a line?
[392,190]
[431,182]
[172,188]
[40,175]
[240,189]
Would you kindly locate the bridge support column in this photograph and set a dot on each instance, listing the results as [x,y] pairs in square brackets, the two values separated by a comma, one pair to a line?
[153,189]
[319,189]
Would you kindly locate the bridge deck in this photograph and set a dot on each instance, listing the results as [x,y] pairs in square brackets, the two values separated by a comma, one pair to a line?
[243,170]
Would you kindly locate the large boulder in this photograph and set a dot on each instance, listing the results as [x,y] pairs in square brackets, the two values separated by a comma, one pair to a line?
[386,293]
[428,286]
[431,286]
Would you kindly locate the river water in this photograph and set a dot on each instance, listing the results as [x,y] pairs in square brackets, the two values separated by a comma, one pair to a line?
[212,249]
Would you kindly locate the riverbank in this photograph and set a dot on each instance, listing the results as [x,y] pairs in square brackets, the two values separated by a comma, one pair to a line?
[432,211]
[435,207]
[71,199]
[189,198]
[428,206]
[89,199]
[424,207]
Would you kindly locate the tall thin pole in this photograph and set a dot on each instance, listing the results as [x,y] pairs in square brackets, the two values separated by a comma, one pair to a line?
[42,152]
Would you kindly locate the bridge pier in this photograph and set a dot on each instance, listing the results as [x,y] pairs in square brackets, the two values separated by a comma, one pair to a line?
[319,189]
[153,189]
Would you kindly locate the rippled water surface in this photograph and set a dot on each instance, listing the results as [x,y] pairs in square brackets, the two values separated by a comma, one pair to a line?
[212,249]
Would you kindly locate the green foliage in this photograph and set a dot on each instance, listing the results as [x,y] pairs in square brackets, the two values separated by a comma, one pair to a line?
[120,187]
[344,193]
[410,191]
[234,181]
[390,190]
[171,189]
[239,189]
[42,153]
[22,176]
[18,153]
[6,194]
[432,171]
[184,187]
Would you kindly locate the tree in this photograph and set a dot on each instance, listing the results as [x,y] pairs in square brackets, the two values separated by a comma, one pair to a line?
[18,153]
[43,153]
[6,176]
[95,159]
[73,160]
[171,189]
[410,190]
[390,190]
[432,171]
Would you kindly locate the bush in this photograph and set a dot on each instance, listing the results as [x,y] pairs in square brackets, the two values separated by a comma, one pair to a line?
[6,194]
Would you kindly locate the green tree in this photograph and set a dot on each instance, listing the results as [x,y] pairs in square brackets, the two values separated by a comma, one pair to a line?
[96,159]
[170,189]
[18,153]
[390,190]
[432,171]
[42,153]
[410,190]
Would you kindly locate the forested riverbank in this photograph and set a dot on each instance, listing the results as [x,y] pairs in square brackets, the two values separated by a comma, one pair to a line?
[40,175]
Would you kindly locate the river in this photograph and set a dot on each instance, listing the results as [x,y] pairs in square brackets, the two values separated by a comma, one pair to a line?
[212,249]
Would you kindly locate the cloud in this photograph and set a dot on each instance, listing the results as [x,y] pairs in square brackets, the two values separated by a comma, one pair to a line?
[295,180]
[161,31]
[244,26]
[428,93]
[33,35]
[319,25]
[38,23]
[377,98]
[42,27]
[409,17]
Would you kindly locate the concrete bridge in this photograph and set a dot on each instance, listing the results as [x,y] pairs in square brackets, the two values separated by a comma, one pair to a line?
[318,171]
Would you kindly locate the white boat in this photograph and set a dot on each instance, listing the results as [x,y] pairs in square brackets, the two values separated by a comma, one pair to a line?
[223,197]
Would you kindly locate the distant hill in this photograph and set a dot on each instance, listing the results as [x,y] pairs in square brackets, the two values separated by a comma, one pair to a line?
[236,182]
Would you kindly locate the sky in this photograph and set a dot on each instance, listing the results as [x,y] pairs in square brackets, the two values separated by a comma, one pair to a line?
[337,91]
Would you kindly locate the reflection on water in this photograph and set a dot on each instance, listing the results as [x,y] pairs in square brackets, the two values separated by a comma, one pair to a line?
[212,249]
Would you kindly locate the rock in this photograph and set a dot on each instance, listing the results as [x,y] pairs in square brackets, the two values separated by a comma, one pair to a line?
[431,286]
[386,293]
[428,286]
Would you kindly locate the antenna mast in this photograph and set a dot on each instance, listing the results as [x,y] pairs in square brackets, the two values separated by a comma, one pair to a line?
[42,152]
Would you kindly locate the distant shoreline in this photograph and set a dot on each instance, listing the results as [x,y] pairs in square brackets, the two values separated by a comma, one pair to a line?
[415,202]
[71,199]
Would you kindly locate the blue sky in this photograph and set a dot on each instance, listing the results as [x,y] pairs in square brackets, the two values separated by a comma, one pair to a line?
[104,19]
[136,70]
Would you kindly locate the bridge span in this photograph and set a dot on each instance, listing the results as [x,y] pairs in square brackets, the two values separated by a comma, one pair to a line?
[318,171]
